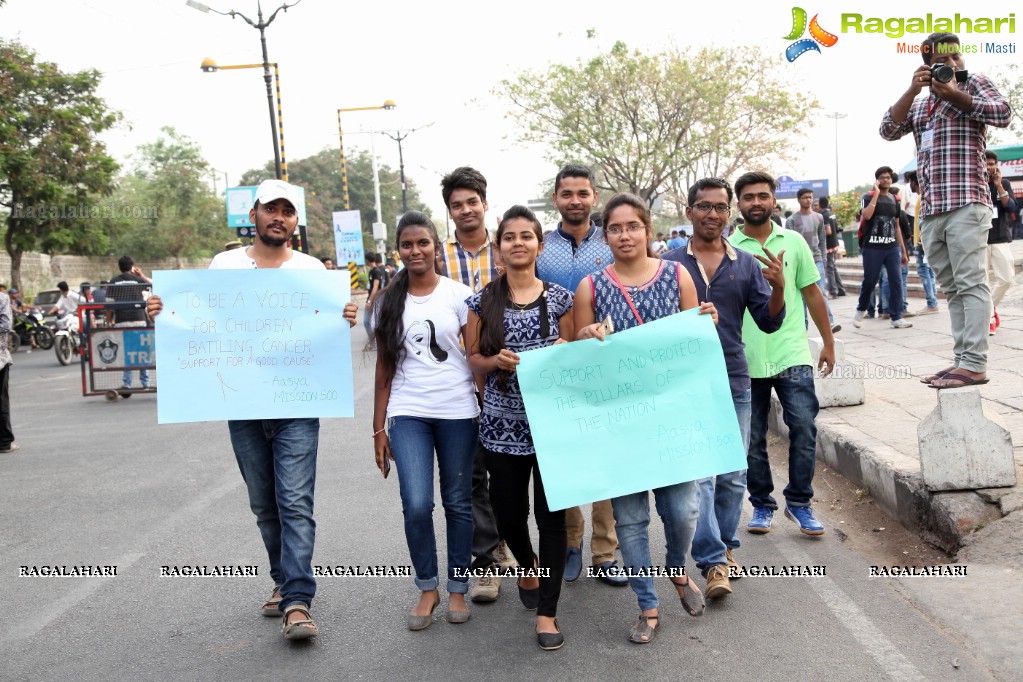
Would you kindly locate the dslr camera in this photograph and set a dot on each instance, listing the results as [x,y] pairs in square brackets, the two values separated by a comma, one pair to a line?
[943,73]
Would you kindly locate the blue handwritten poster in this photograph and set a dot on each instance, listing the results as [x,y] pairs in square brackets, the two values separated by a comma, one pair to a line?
[645,408]
[252,344]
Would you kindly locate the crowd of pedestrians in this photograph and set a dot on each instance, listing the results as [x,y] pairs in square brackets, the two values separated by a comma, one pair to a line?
[450,326]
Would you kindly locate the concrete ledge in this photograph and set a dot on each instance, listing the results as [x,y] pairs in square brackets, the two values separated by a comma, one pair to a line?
[893,479]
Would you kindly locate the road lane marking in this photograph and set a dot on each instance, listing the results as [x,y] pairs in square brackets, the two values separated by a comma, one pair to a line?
[852,618]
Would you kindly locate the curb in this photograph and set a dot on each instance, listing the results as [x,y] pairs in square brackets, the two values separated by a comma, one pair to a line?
[893,480]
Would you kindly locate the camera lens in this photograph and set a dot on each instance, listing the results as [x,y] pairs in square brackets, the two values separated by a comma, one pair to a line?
[942,73]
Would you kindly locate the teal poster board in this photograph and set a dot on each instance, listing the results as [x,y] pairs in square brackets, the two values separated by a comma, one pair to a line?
[645,408]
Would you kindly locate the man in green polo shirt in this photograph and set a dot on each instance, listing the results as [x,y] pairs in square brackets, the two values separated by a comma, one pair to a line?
[782,361]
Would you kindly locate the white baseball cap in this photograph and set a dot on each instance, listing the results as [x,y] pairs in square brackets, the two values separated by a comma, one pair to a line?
[271,190]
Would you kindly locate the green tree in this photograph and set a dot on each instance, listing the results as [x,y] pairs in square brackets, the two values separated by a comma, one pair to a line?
[52,164]
[163,207]
[652,124]
[320,175]
[1009,81]
[846,206]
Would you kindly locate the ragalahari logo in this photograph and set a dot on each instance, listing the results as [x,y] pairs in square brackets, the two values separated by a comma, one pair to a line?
[818,34]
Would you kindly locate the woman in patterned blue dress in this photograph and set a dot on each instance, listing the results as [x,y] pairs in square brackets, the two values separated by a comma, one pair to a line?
[514,313]
[638,288]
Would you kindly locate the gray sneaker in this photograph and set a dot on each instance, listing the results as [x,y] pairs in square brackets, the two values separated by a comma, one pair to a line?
[900,324]
[486,589]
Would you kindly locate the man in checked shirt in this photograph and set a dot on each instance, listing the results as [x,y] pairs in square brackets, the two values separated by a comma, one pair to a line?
[471,257]
[950,130]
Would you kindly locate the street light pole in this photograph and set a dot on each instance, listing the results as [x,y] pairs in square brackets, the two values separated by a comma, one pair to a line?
[210,66]
[267,76]
[398,137]
[387,106]
[835,115]
[213,173]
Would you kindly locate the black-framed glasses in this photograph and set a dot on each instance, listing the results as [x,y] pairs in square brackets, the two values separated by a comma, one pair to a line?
[707,207]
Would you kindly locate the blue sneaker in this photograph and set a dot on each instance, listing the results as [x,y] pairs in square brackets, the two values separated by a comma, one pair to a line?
[761,521]
[804,517]
[573,564]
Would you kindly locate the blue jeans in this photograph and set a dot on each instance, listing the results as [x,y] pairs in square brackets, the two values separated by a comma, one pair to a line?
[821,284]
[678,507]
[413,443]
[923,268]
[875,296]
[721,503]
[794,387]
[886,290]
[367,322]
[143,377]
[277,458]
[873,261]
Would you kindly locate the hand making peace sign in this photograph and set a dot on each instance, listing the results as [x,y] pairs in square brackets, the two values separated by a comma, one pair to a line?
[774,273]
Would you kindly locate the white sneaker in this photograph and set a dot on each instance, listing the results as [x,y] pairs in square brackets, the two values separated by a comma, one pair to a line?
[486,589]
[900,324]
[858,318]
[503,556]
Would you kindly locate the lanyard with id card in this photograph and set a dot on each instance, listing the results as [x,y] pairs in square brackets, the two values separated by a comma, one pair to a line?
[926,140]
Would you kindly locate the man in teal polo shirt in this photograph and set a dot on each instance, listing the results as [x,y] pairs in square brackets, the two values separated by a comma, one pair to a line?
[782,361]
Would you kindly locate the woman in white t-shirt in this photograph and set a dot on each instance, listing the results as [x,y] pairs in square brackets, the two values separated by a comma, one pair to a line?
[425,403]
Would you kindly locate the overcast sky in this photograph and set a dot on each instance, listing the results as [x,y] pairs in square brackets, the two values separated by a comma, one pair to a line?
[441,66]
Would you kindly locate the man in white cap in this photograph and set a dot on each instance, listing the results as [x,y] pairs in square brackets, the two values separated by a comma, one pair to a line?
[277,457]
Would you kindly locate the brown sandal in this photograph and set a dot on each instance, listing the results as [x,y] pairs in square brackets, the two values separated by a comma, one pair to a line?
[940,374]
[299,629]
[272,607]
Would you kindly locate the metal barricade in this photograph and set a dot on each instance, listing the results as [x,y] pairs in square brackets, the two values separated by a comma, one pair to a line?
[118,343]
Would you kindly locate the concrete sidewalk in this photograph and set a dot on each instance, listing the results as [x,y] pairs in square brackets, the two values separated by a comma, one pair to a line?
[875,444]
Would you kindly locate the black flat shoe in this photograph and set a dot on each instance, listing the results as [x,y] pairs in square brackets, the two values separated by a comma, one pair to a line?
[530,598]
[551,641]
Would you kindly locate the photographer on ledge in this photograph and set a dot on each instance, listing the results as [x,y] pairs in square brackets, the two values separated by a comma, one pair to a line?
[950,130]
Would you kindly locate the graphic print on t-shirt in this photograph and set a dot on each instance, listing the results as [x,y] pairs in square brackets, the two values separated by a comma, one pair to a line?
[421,339]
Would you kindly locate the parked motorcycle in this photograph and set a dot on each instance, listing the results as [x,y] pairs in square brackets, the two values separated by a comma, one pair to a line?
[29,326]
[67,341]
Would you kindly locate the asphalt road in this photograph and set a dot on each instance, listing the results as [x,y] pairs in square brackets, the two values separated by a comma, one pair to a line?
[100,483]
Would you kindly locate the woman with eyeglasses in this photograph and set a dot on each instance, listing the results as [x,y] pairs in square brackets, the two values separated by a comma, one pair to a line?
[639,288]
[425,405]
[515,313]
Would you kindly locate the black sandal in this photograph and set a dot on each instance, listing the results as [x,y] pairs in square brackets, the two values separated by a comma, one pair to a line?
[642,629]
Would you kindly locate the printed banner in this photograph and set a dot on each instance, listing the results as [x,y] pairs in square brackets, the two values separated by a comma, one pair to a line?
[348,246]
[645,408]
[121,349]
[252,344]
[240,201]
